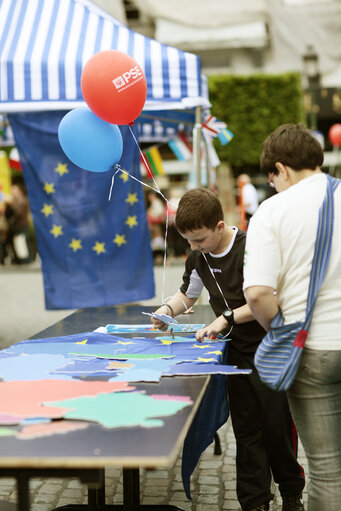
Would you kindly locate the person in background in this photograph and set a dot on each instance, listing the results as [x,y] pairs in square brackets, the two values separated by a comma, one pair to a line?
[17,212]
[261,419]
[175,243]
[279,252]
[249,197]
[155,209]
[3,226]
[157,244]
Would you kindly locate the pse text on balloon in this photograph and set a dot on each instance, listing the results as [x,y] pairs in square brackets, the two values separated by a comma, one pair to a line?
[134,74]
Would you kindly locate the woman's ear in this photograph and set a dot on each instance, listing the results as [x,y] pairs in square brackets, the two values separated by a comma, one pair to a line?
[283,171]
[280,167]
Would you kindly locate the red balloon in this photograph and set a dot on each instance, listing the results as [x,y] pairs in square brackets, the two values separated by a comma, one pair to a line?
[335,135]
[114,86]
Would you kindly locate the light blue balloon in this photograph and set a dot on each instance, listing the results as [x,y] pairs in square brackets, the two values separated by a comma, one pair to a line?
[90,142]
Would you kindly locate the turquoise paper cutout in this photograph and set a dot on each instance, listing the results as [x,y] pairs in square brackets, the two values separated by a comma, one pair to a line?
[133,409]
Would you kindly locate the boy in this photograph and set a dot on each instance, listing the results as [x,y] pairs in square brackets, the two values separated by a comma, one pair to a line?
[260,417]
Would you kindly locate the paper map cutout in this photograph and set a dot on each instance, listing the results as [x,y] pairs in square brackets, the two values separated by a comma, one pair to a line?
[25,398]
[7,432]
[195,369]
[34,367]
[85,377]
[52,428]
[133,409]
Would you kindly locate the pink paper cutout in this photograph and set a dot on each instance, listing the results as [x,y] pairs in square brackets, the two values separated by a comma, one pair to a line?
[52,428]
[9,419]
[172,398]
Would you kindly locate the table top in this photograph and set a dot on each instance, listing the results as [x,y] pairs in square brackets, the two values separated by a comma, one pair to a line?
[96,446]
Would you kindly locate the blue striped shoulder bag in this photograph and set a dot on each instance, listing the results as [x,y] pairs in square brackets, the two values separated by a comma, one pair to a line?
[278,356]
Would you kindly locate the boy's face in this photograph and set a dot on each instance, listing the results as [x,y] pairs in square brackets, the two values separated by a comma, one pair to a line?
[204,239]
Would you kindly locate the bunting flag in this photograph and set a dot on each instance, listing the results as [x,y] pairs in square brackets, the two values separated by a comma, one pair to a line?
[14,159]
[94,252]
[215,128]
[5,174]
[180,149]
[154,160]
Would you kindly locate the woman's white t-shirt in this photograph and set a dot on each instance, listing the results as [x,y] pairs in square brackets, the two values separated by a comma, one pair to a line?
[279,251]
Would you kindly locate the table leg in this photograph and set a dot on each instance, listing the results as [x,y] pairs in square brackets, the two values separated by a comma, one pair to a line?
[23,492]
[131,489]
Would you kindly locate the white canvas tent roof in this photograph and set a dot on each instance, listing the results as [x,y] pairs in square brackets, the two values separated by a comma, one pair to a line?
[44,45]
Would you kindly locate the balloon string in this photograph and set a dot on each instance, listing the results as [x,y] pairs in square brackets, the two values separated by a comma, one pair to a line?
[145,161]
[167,211]
[112,184]
[157,190]
[165,257]
[119,169]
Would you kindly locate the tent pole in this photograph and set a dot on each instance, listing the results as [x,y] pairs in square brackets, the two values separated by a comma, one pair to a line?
[197,144]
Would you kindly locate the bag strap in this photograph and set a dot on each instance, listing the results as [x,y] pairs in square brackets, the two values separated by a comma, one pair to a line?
[323,245]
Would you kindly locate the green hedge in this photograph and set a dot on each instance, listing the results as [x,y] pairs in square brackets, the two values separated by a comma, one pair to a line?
[253,106]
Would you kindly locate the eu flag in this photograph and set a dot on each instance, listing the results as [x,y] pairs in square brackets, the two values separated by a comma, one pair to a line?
[94,252]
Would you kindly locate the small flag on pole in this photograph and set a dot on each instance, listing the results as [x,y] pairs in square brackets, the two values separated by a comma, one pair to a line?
[215,128]
[225,136]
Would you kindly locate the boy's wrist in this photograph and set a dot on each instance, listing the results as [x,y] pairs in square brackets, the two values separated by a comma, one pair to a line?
[169,307]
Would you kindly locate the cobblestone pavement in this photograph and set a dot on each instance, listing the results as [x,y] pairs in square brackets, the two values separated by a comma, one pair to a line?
[213,481]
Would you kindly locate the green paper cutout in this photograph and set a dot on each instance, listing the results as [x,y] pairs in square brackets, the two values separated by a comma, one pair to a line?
[122,409]
[7,432]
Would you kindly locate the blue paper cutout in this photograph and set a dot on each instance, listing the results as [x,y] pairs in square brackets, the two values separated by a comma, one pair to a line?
[188,369]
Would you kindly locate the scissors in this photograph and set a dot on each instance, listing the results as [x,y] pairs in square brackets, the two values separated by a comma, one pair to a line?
[168,320]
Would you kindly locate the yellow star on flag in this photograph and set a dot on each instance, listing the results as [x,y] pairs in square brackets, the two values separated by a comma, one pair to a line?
[166,342]
[62,169]
[200,359]
[131,221]
[214,353]
[75,244]
[132,198]
[99,248]
[200,346]
[57,230]
[49,188]
[125,342]
[119,239]
[47,210]
[82,342]
[124,177]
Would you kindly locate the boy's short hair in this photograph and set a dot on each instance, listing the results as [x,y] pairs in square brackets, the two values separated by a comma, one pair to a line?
[198,208]
[292,145]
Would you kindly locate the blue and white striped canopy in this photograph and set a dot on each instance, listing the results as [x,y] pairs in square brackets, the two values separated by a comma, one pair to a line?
[44,45]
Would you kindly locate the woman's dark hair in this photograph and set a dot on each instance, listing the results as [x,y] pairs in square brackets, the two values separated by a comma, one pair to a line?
[292,145]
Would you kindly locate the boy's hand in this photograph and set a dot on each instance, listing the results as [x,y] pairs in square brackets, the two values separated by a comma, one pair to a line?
[159,325]
[212,330]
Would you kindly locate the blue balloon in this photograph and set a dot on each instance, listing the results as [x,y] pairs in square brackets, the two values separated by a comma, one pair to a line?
[90,142]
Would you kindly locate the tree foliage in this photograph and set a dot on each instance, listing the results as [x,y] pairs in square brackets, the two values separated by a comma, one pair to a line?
[253,106]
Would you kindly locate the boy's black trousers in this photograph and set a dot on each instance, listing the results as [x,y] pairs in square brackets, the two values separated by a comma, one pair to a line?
[265,435]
